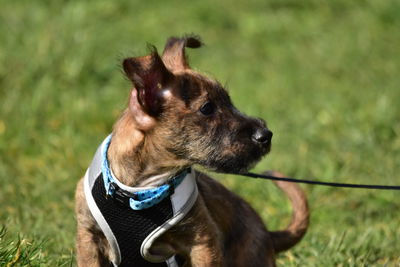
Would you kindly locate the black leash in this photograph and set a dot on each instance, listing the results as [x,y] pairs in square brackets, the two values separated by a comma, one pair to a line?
[293,180]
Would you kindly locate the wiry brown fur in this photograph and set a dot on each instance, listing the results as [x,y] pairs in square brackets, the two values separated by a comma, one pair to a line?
[164,130]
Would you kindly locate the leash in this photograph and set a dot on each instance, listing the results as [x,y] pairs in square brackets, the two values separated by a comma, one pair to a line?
[346,185]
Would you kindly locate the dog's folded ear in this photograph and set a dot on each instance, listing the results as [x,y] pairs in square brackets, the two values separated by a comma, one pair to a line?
[150,77]
[174,52]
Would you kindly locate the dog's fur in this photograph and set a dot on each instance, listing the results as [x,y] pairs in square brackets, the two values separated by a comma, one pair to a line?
[175,118]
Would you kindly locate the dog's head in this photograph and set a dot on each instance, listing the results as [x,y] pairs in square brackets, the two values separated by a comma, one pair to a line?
[190,115]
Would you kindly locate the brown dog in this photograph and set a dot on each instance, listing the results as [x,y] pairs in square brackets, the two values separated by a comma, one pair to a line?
[176,118]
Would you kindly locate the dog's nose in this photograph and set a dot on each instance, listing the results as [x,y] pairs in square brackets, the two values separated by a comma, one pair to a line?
[262,135]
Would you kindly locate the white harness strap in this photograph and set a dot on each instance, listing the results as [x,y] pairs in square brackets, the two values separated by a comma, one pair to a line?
[91,175]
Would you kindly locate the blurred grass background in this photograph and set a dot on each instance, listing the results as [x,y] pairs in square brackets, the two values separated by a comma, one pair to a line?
[324,74]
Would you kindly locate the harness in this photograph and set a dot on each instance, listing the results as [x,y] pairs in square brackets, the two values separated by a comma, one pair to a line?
[132,218]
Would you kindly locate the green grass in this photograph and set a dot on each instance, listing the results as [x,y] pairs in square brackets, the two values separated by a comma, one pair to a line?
[324,74]
[25,252]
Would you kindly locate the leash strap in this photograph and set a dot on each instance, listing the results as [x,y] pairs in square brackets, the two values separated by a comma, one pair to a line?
[293,180]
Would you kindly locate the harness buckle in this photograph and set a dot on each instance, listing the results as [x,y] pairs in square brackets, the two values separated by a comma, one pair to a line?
[120,196]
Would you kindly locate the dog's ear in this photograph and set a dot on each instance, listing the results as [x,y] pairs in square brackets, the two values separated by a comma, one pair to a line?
[174,52]
[150,78]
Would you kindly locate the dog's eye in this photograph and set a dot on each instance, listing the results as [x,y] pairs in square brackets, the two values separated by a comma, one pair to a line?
[207,109]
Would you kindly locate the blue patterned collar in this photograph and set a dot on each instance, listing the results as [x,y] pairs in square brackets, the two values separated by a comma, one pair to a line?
[142,199]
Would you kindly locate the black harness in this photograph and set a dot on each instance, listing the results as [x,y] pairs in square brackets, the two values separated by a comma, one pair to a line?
[132,232]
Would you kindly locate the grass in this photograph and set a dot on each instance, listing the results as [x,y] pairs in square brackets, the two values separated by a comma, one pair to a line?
[24,252]
[324,74]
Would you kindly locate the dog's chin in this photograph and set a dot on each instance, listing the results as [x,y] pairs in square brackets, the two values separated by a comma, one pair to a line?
[236,167]
[239,165]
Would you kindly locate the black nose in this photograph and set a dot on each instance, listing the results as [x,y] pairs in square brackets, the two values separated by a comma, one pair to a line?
[262,135]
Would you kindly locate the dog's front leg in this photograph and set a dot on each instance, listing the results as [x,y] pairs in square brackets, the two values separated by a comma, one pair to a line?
[206,252]
[91,244]
[197,237]
[88,252]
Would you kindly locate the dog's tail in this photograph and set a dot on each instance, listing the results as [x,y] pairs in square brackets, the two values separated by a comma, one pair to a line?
[295,231]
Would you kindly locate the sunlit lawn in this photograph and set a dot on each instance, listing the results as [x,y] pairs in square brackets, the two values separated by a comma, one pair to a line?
[324,74]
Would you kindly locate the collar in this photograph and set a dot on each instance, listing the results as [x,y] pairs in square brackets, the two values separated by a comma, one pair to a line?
[136,198]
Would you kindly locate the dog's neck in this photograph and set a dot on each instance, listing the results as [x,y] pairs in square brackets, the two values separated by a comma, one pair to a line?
[134,159]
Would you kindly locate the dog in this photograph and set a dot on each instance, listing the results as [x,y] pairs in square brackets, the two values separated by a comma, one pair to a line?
[176,118]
